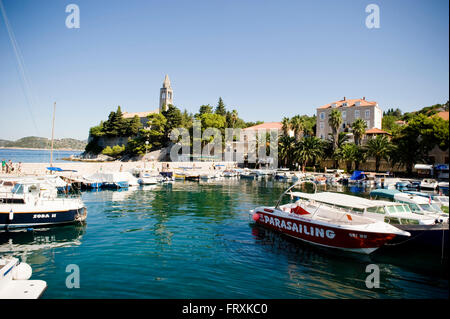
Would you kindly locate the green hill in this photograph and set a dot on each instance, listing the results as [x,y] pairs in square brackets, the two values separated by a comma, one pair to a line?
[42,142]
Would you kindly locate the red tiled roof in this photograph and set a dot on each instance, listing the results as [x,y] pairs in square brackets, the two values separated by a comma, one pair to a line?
[443,115]
[350,102]
[139,114]
[376,131]
[265,126]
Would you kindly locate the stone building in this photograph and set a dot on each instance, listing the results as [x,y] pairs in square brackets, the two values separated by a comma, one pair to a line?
[165,99]
[351,109]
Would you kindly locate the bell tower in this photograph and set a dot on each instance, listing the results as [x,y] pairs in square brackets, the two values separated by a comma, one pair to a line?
[165,95]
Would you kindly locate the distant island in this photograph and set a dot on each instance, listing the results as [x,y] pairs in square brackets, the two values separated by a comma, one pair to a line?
[34,142]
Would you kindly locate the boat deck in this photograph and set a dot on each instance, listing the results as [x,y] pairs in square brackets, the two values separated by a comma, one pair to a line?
[23,289]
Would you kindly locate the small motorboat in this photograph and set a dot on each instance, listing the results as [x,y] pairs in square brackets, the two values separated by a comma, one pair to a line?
[146,179]
[247,174]
[14,283]
[29,205]
[403,184]
[326,226]
[443,186]
[429,183]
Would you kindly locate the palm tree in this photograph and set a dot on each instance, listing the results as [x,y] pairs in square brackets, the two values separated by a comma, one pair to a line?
[234,116]
[308,150]
[334,152]
[286,147]
[286,125]
[359,129]
[335,121]
[379,148]
[297,124]
[349,153]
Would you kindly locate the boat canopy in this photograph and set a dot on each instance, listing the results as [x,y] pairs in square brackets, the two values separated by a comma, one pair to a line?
[58,169]
[342,200]
[357,175]
[387,193]
[423,166]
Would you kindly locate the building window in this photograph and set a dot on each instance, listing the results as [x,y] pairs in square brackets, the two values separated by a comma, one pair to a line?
[344,104]
[163,96]
[344,114]
[367,114]
[321,126]
[356,114]
[322,116]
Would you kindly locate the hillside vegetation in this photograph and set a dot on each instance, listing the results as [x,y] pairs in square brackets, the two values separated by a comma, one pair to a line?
[42,142]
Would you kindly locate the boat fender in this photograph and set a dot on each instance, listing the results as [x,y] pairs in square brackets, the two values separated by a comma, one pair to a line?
[255,217]
[22,271]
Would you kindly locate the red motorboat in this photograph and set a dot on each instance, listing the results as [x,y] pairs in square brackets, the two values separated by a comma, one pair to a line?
[326,226]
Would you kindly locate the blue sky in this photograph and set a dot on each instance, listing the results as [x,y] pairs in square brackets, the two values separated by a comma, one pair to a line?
[267,59]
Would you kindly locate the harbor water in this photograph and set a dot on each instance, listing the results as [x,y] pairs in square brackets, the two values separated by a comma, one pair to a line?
[34,156]
[194,240]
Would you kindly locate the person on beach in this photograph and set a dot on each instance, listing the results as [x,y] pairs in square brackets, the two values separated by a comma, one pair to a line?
[19,168]
[11,167]
[121,167]
[3,165]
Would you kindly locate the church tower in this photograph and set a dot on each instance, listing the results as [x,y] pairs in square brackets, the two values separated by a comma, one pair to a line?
[165,95]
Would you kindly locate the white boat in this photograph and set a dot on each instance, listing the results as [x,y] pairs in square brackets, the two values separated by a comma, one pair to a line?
[426,231]
[428,183]
[418,204]
[149,177]
[378,209]
[27,205]
[443,185]
[14,280]
[388,182]
[115,179]
[326,226]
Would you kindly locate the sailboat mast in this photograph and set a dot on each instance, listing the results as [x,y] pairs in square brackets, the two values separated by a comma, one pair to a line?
[53,132]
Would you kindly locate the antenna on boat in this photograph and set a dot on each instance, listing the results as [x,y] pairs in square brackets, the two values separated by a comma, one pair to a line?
[53,132]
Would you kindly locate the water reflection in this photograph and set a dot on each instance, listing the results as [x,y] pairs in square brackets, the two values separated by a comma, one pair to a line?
[30,244]
[330,273]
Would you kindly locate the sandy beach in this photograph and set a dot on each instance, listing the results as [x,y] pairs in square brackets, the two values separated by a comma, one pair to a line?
[86,168]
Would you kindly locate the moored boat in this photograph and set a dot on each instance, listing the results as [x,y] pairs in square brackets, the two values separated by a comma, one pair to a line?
[429,183]
[14,280]
[29,206]
[326,226]
[426,231]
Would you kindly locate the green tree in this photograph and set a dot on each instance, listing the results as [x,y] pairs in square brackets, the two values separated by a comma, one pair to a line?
[204,109]
[388,123]
[286,125]
[308,150]
[379,148]
[174,120]
[359,130]
[133,126]
[116,151]
[286,148]
[220,109]
[297,124]
[335,121]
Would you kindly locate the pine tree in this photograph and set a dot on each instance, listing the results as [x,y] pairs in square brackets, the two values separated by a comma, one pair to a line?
[220,109]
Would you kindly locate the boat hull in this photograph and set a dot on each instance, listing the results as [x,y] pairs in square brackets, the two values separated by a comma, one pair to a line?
[37,219]
[427,237]
[322,235]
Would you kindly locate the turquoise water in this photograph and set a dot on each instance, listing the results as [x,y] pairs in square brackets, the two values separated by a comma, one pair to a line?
[34,156]
[194,240]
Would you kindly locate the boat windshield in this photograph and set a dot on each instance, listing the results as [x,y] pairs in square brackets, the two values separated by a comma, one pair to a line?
[17,189]
[427,207]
